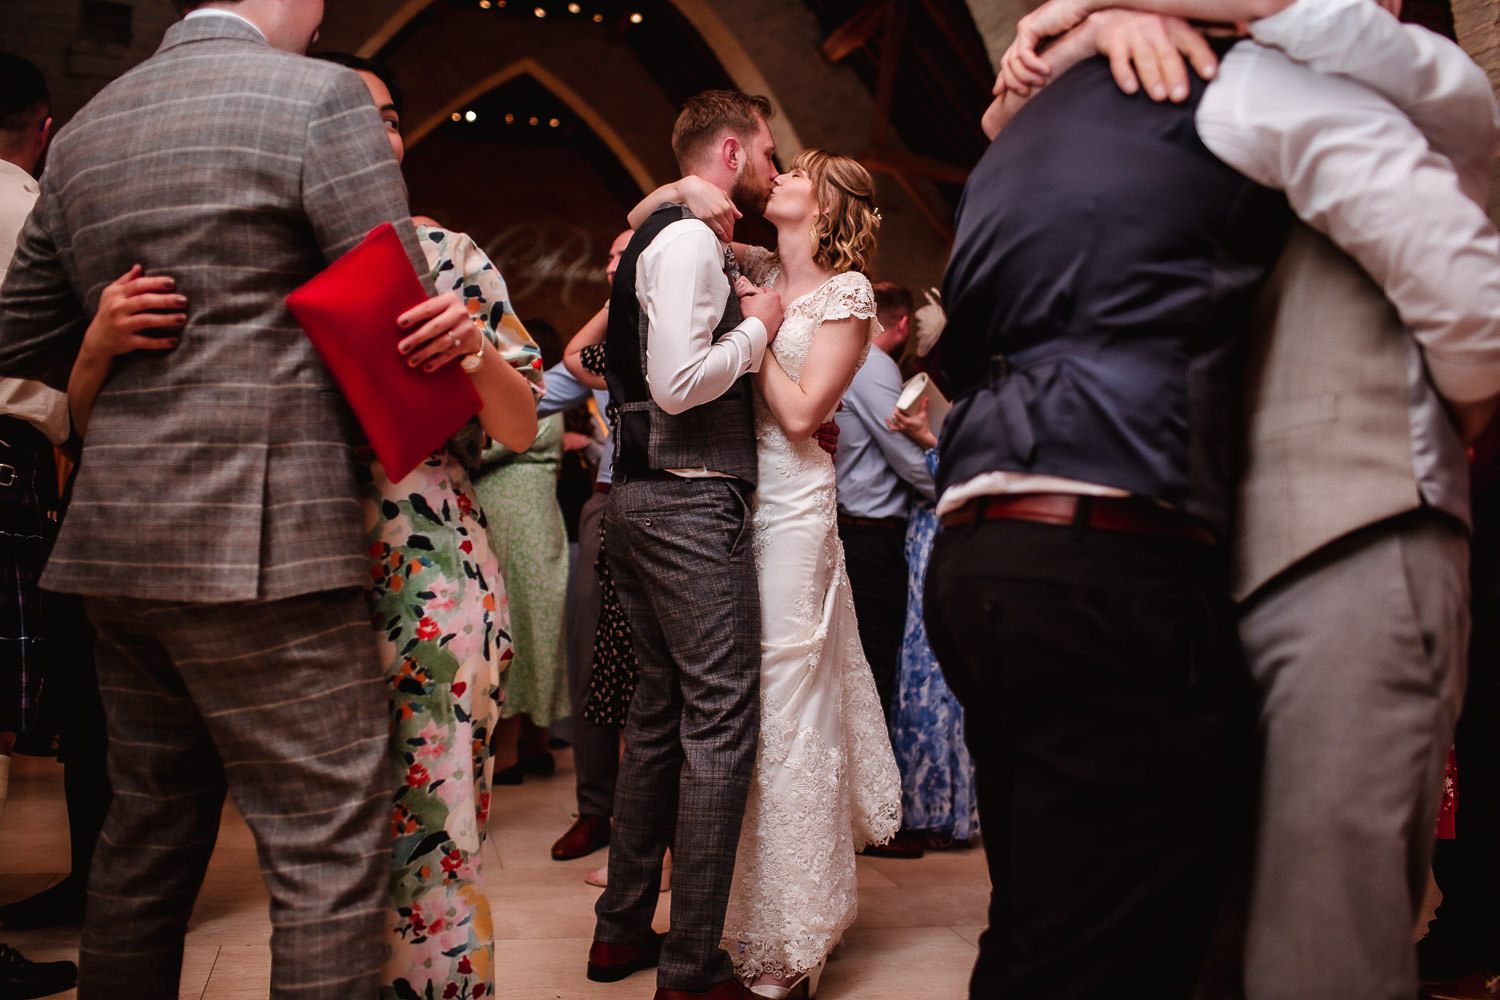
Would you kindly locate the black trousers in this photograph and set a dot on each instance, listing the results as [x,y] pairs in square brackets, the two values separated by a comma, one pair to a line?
[875,557]
[1109,719]
[1467,868]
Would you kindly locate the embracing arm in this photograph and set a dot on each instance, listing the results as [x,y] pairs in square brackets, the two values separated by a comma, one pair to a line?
[588,335]
[128,305]
[800,407]
[1355,168]
[1144,50]
[449,328]
[707,201]
[1055,17]
[682,288]
[1429,78]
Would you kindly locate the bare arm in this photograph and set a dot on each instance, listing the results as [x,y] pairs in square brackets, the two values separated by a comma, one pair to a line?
[800,407]
[1144,50]
[1056,17]
[443,332]
[707,201]
[128,305]
[917,426]
[591,333]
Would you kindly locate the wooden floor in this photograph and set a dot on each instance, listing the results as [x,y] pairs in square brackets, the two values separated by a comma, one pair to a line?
[916,935]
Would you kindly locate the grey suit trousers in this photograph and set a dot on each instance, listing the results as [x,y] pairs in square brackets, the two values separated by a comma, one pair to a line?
[1358,653]
[681,554]
[596,748]
[281,704]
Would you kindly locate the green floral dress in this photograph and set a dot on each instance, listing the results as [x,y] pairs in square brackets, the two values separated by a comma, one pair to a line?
[519,494]
[438,600]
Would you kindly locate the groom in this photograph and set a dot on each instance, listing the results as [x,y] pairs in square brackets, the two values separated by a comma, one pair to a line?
[678,523]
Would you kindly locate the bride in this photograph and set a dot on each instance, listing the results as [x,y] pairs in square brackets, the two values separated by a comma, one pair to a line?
[826,782]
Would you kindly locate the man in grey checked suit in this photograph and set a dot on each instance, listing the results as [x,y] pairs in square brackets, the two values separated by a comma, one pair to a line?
[679,344]
[215,528]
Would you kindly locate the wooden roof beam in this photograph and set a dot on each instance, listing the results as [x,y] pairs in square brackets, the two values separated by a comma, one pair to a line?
[856,32]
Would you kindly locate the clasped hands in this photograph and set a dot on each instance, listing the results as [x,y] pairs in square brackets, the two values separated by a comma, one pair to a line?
[1145,50]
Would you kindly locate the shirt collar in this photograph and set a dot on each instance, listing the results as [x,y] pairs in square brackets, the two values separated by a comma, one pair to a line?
[9,170]
[220,12]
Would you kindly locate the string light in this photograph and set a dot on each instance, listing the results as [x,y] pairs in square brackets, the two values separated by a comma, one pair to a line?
[553,123]
[598,18]
[470,116]
[457,117]
[573,8]
[636,18]
[539,11]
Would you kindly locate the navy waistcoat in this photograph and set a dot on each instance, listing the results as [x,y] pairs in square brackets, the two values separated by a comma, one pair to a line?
[1102,273]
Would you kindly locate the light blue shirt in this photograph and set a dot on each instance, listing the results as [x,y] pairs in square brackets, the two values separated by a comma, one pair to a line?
[564,392]
[878,469]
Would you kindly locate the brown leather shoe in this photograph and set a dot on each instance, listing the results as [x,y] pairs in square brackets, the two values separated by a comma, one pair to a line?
[610,963]
[585,836]
[729,989]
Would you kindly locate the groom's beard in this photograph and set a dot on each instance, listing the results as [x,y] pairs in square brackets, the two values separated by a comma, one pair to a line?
[747,197]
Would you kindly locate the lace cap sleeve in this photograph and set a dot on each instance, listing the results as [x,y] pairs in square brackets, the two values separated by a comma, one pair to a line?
[849,294]
[755,264]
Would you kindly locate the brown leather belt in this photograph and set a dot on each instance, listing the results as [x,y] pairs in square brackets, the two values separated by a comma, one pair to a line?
[602,487]
[1126,514]
[874,522]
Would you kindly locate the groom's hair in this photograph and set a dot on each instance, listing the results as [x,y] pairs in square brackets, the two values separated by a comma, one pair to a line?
[708,114]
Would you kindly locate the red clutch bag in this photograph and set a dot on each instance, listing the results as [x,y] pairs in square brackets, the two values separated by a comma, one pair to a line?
[349,312]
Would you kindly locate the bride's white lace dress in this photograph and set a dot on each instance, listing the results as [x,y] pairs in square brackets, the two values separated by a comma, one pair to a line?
[825,781]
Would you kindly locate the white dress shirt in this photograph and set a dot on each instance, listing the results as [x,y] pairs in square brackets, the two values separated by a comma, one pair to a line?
[1381,136]
[682,288]
[44,408]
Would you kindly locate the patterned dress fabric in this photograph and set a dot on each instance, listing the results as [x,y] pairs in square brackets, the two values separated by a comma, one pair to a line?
[27,527]
[825,781]
[437,599]
[927,724]
[519,494]
[613,679]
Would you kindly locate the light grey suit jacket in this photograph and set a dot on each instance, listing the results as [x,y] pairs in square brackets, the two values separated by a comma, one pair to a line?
[220,470]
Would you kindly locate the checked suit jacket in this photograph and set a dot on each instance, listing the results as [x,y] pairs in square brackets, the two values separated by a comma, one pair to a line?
[220,470]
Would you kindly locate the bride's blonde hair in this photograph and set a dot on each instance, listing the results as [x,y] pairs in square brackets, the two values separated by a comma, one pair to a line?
[844,231]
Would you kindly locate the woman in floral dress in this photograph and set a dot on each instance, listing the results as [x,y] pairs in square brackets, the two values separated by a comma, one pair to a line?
[438,600]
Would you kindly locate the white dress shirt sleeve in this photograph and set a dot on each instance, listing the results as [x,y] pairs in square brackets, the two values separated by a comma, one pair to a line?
[681,285]
[1430,79]
[1357,168]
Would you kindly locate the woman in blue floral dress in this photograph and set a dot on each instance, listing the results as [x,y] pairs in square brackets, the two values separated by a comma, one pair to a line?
[927,723]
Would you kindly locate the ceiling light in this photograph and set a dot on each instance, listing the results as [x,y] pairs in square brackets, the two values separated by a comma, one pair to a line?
[636,18]
[457,117]
[533,120]
[510,119]
[470,116]
[484,4]
[573,8]
[539,11]
[598,18]
[553,123]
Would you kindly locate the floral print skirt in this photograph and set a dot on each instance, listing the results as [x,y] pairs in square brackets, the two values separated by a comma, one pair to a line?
[437,599]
